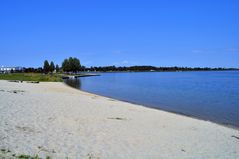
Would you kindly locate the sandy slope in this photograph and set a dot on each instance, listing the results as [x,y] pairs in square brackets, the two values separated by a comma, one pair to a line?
[52,119]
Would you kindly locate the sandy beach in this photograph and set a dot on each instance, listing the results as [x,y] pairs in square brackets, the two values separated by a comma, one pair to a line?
[52,119]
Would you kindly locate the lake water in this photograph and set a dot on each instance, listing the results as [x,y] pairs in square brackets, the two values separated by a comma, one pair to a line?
[208,95]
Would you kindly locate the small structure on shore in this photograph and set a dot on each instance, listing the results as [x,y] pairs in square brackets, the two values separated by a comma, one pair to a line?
[10,69]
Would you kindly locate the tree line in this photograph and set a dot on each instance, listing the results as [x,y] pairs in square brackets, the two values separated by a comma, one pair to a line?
[149,68]
[73,65]
[129,69]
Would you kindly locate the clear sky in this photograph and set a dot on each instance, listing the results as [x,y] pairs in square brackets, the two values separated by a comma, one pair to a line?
[120,32]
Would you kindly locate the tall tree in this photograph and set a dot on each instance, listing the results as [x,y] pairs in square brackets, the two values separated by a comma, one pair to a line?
[46,67]
[52,66]
[71,61]
[57,68]
[71,65]
[65,65]
[76,65]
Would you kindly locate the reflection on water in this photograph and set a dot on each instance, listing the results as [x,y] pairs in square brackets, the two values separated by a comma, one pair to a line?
[74,82]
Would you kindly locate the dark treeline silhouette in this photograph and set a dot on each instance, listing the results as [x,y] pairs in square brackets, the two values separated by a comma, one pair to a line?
[150,68]
[73,65]
[129,69]
[33,70]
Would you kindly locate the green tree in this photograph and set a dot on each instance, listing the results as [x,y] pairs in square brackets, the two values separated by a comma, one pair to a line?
[52,66]
[71,62]
[76,65]
[46,67]
[71,65]
[57,68]
[65,65]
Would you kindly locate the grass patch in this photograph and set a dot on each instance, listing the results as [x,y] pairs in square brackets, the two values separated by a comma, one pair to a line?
[6,154]
[32,77]
[27,157]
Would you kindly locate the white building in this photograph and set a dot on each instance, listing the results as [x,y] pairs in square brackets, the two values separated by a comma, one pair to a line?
[9,69]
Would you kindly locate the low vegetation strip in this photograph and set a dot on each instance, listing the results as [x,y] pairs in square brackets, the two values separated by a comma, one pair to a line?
[32,77]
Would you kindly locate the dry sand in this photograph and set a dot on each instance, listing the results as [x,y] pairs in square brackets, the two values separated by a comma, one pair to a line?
[52,119]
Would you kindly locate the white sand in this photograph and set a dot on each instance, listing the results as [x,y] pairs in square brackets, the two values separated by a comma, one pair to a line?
[52,119]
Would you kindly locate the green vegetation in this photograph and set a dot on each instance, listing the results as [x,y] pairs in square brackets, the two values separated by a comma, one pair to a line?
[151,68]
[52,66]
[32,77]
[71,65]
[57,68]
[7,154]
[46,67]
[27,157]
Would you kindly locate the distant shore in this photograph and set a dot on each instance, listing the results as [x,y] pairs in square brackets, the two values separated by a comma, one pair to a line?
[52,119]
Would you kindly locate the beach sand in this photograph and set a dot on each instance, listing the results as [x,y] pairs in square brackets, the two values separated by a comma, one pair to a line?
[52,119]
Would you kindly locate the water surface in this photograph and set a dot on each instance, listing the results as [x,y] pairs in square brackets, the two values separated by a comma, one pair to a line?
[208,95]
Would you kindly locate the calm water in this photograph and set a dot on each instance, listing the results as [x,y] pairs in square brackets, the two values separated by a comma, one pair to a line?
[207,95]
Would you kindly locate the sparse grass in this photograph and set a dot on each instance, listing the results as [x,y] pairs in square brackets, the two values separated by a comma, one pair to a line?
[30,157]
[27,157]
[6,154]
[32,77]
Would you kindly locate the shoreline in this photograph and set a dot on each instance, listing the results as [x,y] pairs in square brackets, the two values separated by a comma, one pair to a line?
[56,120]
[154,108]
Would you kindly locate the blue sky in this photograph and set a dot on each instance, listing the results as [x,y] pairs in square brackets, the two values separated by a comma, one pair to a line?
[120,32]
